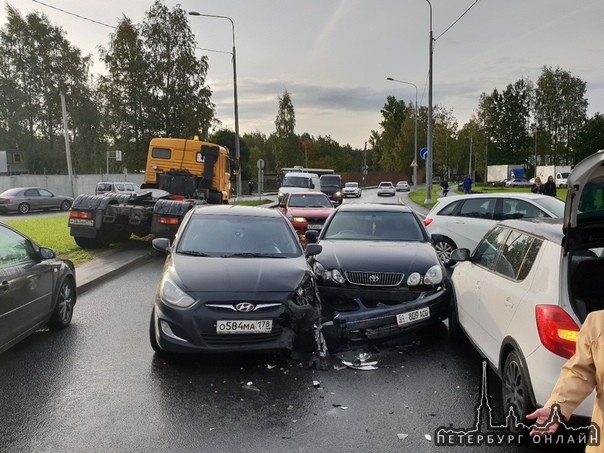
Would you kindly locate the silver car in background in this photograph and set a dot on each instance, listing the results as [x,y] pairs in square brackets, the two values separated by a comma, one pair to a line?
[25,199]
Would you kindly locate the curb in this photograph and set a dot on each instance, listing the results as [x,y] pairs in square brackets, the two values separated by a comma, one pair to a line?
[102,269]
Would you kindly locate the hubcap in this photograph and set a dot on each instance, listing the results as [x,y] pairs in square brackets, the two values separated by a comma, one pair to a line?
[65,302]
[443,249]
[514,389]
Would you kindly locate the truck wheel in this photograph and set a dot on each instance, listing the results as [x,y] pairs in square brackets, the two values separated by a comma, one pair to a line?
[92,243]
[215,198]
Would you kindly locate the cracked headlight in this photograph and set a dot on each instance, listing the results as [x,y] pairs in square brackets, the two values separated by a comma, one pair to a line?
[318,269]
[171,294]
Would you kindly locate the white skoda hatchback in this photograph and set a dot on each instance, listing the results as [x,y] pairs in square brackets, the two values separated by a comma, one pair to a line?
[524,292]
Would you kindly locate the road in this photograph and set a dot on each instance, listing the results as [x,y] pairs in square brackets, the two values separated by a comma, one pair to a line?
[98,387]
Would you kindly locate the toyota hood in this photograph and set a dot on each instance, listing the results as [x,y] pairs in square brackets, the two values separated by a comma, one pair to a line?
[377,256]
[584,209]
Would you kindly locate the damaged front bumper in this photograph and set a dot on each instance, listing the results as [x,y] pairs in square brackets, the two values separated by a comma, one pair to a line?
[371,314]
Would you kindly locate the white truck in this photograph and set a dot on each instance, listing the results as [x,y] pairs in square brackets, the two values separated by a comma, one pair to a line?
[497,173]
[296,181]
[559,172]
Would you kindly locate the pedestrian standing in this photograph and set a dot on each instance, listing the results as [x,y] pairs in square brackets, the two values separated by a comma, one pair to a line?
[250,186]
[549,188]
[537,186]
[580,375]
[467,184]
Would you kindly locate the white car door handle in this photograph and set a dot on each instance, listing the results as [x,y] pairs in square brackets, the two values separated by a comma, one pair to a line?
[508,303]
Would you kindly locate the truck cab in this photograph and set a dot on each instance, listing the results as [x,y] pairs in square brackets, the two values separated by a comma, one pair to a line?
[299,182]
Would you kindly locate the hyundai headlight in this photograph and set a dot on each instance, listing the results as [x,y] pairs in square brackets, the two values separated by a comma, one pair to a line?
[171,294]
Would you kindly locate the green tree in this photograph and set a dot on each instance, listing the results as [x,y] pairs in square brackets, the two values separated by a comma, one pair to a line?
[226,137]
[560,111]
[287,148]
[590,138]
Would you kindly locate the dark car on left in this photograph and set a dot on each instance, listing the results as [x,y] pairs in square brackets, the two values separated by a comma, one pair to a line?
[378,274]
[235,279]
[36,288]
[25,199]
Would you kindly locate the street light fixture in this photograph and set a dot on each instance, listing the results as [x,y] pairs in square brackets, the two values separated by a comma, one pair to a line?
[237,149]
[415,148]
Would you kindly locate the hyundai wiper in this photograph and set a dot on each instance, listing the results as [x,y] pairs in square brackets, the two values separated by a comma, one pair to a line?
[192,253]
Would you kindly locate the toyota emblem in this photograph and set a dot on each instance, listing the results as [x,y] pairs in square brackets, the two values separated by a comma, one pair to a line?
[245,307]
[373,278]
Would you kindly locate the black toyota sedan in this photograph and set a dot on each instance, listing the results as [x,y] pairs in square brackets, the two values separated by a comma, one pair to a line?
[36,288]
[235,279]
[378,274]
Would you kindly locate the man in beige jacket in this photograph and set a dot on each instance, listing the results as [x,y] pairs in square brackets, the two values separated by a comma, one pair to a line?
[583,372]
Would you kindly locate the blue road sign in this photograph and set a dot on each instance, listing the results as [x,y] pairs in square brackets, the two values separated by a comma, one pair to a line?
[424,153]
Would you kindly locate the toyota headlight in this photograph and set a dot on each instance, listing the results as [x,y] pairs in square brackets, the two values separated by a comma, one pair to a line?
[434,275]
[171,294]
[414,279]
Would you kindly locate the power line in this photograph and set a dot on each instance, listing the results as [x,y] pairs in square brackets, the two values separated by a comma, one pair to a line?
[74,14]
[458,19]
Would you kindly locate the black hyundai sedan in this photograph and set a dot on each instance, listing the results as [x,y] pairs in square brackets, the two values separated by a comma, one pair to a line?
[378,274]
[235,279]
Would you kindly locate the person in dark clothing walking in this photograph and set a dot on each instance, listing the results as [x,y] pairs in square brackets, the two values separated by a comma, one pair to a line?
[467,184]
[549,188]
[250,185]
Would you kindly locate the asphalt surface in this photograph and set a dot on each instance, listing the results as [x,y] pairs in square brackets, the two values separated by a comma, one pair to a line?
[114,263]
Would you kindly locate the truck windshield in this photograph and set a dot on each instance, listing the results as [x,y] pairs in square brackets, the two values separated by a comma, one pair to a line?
[330,181]
[296,181]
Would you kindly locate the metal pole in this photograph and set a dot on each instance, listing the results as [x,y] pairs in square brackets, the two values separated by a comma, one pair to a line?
[416,112]
[236,105]
[67,149]
[430,157]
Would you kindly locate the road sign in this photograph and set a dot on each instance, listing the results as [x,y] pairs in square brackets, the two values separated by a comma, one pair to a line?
[424,153]
[414,163]
[260,164]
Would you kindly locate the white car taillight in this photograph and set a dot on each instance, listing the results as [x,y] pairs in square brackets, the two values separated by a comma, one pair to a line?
[557,330]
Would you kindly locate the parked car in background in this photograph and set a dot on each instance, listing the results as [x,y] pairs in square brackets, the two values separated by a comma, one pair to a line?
[116,187]
[25,199]
[306,210]
[36,288]
[378,274]
[402,186]
[386,188]
[462,220]
[235,279]
[518,182]
[352,189]
[501,183]
[524,293]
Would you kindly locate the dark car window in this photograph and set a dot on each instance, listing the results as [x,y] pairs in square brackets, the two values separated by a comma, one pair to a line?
[31,193]
[518,209]
[329,180]
[486,251]
[309,201]
[370,225]
[14,248]
[591,204]
[226,235]
[479,208]
[512,254]
[529,259]
[45,193]
[450,208]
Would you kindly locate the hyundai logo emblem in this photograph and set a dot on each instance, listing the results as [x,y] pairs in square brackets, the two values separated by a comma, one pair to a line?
[245,307]
[373,278]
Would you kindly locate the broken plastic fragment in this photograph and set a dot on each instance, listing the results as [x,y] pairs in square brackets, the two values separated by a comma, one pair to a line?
[361,366]
[270,367]
[428,437]
[402,436]
[250,386]
[343,407]
[316,383]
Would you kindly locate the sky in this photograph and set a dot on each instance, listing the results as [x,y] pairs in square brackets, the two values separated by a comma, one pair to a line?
[333,56]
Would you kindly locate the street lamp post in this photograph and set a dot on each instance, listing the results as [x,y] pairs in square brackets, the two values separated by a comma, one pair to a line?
[237,149]
[415,148]
[430,157]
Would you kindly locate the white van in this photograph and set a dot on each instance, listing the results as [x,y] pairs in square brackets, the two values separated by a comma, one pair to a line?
[299,182]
